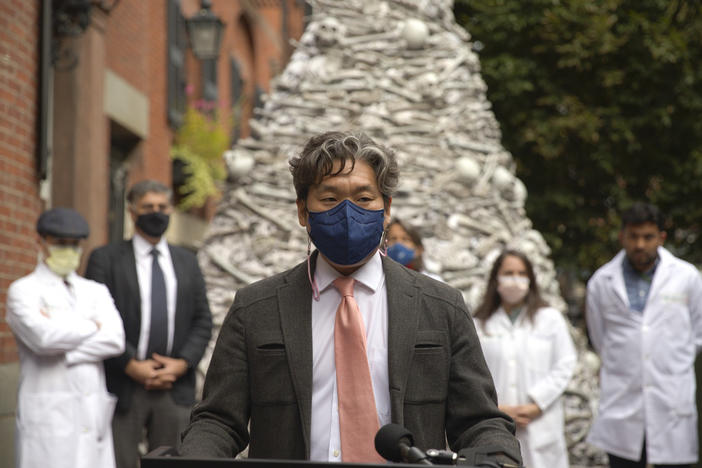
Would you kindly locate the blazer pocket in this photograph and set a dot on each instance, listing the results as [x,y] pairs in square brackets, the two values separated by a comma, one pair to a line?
[269,369]
[427,381]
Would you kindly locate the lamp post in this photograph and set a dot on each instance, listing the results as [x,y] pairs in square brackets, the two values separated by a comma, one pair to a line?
[205,32]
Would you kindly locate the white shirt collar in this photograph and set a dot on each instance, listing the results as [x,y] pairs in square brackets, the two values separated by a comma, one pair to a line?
[369,275]
[143,248]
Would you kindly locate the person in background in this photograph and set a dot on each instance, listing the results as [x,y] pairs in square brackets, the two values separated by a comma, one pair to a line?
[160,292]
[404,245]
[531,356]
[644,317]
[65,326]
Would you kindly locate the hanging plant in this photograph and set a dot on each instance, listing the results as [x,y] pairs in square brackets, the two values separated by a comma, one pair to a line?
[197,150]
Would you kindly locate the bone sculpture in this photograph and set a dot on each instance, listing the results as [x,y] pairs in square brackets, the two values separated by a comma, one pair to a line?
[402,71]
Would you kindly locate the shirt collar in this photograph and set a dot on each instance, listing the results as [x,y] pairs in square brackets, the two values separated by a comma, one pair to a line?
[143,248]
[369,275]
[505,317]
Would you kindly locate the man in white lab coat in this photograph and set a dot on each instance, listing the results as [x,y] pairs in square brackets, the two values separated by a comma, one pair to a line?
[65,326]
[644,316]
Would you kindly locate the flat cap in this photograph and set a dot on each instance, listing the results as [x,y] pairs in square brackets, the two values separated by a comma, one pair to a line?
[63,222]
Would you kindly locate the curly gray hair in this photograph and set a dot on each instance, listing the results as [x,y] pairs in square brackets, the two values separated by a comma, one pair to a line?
[316,161]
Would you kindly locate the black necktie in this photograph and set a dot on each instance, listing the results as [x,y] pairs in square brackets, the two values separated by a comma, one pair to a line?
[158,332]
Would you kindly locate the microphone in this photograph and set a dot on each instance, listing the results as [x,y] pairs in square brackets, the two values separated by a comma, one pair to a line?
[395,443]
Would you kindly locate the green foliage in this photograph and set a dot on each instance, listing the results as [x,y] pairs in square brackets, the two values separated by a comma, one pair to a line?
[199,143]
[600,104]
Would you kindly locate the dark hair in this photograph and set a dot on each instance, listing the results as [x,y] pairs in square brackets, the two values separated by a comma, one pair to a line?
[640,213]
[491,299]
[316,161]
[413,233]
[143,187]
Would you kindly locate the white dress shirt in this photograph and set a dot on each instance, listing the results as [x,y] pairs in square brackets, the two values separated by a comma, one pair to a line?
[371,295]
[142,255]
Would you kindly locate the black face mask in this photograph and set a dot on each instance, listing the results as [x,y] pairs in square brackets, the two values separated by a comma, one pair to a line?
[153,224]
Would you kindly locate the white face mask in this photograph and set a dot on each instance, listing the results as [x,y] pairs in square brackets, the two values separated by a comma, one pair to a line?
[63,260]
[512,289]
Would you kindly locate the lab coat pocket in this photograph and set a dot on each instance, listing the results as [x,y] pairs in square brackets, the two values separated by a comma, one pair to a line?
[539,354]
[48,414]
[545,430]
[684,402]
[492,350]
[104,410]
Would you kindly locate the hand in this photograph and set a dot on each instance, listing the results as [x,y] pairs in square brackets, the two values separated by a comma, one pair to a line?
[529,411]
[141,371]
[160,382]
[522,414]
[170,369]
[513,412]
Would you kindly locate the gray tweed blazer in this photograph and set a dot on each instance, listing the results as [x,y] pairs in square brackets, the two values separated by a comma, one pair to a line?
[261,371]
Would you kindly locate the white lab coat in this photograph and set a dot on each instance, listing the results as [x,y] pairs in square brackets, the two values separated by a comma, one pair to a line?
[532,362]
[64,412]
[647,377]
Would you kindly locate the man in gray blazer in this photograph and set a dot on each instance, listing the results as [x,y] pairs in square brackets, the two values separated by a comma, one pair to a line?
[274,382]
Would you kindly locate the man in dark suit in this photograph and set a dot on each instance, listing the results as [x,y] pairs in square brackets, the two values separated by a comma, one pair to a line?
[285,364]
[160,293]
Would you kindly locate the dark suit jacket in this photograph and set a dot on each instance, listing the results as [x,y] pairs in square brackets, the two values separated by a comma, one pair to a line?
[261,369]
[115,266]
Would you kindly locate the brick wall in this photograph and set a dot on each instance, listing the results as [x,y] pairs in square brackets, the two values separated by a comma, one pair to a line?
[19,195]
[135,41]
[127,36]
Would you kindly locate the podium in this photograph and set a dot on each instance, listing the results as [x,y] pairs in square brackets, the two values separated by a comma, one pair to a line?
[166,457]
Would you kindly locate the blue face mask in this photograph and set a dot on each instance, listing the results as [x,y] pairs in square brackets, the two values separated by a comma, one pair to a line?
[347,233]
[401,253]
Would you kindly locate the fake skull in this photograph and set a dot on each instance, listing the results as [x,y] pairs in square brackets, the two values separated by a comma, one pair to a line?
[329,32]
[292,76]
[428,85]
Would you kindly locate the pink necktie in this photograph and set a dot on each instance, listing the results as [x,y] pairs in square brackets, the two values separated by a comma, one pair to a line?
[358,418]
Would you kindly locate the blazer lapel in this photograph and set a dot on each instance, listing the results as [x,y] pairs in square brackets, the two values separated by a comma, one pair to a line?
[130,277]
[403,313]
[295,306]
[179,268]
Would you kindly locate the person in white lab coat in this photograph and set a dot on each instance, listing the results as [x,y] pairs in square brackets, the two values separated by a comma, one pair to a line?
[530,353]
[65,326]
[644,317]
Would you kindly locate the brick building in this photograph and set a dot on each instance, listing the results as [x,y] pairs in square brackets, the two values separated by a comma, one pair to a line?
[86,111]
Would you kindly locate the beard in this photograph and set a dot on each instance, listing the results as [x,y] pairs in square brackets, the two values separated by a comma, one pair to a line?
[642,260]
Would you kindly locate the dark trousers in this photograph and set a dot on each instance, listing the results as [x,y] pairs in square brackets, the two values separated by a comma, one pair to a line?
[618,462]
[153,411]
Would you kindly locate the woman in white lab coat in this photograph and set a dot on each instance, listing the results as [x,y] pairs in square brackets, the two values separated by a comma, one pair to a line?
[530,353]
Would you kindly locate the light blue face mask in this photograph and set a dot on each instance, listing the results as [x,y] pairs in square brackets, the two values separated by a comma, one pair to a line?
[401,253]
[347,233]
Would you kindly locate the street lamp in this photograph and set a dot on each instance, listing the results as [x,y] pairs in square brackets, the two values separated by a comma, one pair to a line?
[205,32]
